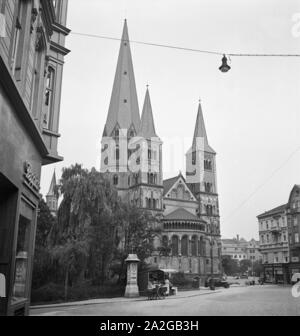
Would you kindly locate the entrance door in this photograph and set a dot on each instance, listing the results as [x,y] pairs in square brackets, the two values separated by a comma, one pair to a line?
[8,209]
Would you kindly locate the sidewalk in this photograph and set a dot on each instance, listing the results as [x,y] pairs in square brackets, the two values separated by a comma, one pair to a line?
[180,295]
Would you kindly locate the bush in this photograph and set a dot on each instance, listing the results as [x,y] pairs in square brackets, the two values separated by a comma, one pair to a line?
[181,281]
[53,293]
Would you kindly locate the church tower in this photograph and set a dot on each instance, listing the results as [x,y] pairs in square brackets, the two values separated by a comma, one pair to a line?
[146,180]
[52,197]
[123,120]
[201,177]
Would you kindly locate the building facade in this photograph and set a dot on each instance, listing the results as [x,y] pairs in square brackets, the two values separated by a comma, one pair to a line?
[253,251]
[239,249]
[293,220]
[274,245]
[235,248]
[32,55]
[187,208]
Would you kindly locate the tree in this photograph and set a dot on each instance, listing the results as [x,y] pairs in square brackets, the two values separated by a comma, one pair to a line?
[245,265]
[258,267]
[70,257]
[139,229]
[42,268]
[230,266]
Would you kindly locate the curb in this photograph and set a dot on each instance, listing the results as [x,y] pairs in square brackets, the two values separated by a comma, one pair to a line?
[89,303]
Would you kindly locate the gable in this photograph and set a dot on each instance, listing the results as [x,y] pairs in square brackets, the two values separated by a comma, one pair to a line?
[176,188]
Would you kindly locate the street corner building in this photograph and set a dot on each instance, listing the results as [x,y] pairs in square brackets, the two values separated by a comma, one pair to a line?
[279,231]
[187,207]
[32,51]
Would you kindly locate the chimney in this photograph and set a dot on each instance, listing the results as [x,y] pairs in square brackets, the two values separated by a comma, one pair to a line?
[238,238]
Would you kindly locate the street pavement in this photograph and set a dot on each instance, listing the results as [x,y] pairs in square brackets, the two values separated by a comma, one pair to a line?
[268,300]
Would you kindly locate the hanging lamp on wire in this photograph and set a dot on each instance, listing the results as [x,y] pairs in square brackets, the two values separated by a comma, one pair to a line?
[224,67]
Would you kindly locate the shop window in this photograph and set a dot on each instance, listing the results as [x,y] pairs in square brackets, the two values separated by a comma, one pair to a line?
[22,253]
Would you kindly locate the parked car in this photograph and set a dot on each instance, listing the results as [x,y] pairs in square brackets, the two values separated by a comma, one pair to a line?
[244,276]
[217,282]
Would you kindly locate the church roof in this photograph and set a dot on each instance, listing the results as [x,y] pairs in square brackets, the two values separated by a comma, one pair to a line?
[52,191]
[200,132]
[123,109]
[147,129]
[182,214]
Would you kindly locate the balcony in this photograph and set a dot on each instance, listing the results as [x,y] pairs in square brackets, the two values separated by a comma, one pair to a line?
[275,229]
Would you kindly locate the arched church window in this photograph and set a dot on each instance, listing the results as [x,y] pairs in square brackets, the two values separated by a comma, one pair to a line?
[184,246]
[194,158]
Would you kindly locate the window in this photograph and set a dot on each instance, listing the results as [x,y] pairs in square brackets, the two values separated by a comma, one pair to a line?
[117,154]
[23,248]
[295,221]
[194,158]
[16,42]
[296,238]
[48,115]
[116,180]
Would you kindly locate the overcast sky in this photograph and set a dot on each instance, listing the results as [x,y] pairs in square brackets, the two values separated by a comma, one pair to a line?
[251,113]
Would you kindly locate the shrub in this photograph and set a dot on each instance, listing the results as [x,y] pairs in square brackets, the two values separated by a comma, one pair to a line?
[53,293]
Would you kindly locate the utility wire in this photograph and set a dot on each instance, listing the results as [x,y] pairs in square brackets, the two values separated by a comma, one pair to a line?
[183,48]
[263,184]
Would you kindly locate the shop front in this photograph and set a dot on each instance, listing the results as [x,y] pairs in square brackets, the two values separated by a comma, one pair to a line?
[20,169]
[276,273]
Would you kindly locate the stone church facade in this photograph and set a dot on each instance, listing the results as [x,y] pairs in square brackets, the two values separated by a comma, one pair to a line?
[187,207]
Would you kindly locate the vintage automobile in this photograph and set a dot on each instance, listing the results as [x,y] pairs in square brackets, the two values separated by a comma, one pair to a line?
[216,282]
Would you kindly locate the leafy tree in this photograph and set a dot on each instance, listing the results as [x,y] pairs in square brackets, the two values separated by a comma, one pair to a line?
[258,267]
[229,265]
[95,230]
[42,268]
[70,257]
[245,265]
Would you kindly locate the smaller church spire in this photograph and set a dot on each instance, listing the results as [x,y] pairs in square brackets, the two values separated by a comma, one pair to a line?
[200,131]
[147,129]
[52,191]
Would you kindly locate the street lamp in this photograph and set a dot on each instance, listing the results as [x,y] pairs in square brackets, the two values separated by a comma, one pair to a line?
[224,67]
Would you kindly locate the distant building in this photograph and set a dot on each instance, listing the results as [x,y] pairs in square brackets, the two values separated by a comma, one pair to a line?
[32,52]
[274,245]
[52,197]
[253,250]
[239,249]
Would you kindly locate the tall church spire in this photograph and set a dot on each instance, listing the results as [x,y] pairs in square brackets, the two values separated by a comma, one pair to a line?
[147,129]
[123,110]
[200,131]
